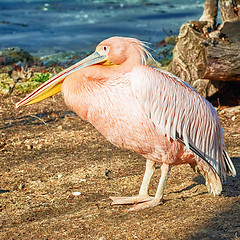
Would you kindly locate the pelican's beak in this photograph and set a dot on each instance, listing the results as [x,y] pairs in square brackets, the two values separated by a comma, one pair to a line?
[53,85]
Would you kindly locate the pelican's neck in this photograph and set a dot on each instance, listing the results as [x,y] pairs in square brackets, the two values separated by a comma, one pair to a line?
[103,72]
[129,64]
[80,85]
[80,88]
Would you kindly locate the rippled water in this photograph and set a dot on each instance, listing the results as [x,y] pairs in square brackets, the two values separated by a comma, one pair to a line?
[45,27]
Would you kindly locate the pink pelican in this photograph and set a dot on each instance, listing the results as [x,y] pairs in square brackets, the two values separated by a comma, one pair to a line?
[144,109]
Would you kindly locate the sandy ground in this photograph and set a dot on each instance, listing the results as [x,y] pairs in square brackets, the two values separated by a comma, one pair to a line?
[48,155]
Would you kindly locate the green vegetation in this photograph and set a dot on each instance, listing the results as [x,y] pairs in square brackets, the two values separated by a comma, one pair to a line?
[40,77]
[23,86]
[6,83]
[32,83]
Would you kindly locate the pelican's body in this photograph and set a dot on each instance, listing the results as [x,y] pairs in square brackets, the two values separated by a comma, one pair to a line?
[143,109]
[115,112]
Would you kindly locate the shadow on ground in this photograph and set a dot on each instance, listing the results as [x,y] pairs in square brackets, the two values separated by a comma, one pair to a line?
[226,222]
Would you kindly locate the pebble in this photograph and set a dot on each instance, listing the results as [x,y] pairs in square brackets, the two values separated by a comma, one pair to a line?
[76,193]
[29,147]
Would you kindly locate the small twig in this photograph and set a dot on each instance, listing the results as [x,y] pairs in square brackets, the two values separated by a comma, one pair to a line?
[39,119]
[74,118]
[135,236]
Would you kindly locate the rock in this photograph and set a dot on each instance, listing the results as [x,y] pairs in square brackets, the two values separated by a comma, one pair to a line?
[3,60]
[171,40]
[59,127]
[6,84]
[14,55]
[62,58]
[164,52]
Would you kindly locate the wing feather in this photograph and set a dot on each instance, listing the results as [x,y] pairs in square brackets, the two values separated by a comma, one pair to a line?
[183,114]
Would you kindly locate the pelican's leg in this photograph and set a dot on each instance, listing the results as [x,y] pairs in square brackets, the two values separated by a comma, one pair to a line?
[165,170]
[143,193]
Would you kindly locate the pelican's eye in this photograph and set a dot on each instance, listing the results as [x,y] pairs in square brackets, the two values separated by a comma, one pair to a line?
[103,50]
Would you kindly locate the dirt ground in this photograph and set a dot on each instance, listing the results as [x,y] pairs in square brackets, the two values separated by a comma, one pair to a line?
[57,173]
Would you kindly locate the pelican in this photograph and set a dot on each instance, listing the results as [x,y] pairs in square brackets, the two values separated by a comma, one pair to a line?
[143,109]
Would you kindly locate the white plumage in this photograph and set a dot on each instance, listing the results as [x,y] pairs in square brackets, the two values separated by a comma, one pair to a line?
[181,113]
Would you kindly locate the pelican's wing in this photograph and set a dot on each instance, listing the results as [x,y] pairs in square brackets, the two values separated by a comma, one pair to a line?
[182,114]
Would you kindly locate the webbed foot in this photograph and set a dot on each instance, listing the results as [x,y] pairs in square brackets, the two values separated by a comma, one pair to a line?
[130,200]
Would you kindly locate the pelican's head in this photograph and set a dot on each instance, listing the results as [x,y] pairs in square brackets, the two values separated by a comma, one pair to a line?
[120,50]
[112,52]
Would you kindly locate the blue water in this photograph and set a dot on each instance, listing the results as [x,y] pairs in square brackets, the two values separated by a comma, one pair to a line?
[46,27]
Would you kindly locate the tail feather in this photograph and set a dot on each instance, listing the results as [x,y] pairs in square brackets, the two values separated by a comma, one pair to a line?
[230,169]
[213,181]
